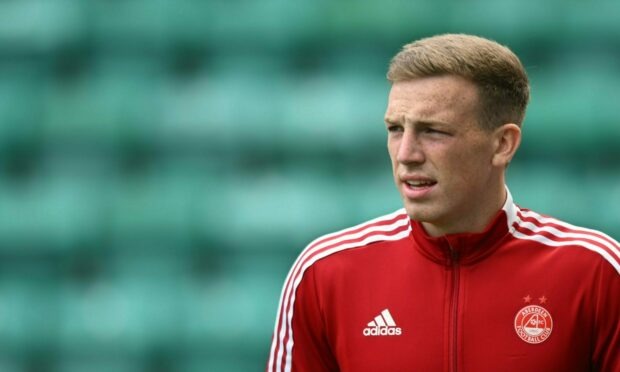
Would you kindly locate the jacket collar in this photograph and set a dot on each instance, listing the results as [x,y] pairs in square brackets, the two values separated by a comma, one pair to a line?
[466,248]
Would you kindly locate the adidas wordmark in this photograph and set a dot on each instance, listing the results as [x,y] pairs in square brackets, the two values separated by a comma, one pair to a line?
[383,325]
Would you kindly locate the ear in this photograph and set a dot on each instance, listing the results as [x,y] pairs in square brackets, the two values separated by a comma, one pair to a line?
[507,139]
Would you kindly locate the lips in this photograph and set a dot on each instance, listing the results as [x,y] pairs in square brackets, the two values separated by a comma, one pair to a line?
[420,183]
[417,187]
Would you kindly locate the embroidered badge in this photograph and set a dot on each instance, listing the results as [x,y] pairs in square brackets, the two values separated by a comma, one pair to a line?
[533,323]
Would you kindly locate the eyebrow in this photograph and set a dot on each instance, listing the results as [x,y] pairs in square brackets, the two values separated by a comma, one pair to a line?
[391,120]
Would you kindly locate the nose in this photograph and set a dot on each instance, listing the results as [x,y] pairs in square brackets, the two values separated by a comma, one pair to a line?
[410,150]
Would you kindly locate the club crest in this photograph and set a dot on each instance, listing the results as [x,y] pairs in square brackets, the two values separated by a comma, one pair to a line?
[533,324]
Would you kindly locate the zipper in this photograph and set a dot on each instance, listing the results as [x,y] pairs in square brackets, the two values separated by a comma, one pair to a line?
[455,307]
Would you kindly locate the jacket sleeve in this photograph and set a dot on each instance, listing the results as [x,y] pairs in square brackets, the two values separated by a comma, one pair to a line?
[606,351]
[300,344]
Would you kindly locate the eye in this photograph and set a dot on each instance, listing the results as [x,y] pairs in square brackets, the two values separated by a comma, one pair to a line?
[394,128]
[435,131]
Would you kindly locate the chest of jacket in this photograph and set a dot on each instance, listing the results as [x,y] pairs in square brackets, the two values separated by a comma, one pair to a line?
[392,309]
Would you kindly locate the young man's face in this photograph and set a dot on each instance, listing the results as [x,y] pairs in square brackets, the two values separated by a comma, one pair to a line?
[441,157]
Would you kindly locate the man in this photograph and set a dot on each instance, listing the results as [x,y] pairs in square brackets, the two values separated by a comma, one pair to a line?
[461,279]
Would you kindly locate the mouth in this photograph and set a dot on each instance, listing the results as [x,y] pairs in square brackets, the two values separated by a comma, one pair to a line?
[417,188]
[420,184]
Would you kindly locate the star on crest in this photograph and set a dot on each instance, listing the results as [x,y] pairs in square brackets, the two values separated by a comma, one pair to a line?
[542,299]
[527,299]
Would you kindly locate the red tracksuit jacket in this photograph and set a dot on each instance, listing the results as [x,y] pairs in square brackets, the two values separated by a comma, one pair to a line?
[530,293]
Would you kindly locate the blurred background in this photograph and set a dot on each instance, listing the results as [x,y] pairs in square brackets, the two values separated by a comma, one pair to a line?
[163,162]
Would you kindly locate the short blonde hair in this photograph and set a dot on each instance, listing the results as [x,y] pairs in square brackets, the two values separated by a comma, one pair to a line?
[497,72]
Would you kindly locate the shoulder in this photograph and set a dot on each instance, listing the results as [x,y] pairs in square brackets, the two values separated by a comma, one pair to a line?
[565,238]
[389,227]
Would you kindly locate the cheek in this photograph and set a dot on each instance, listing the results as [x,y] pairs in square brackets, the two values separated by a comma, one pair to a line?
[468,164]
[392,147]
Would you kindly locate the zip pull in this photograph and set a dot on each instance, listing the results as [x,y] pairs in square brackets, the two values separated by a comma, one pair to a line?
[454,255]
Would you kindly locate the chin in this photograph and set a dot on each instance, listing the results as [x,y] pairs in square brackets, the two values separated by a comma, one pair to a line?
[417,213]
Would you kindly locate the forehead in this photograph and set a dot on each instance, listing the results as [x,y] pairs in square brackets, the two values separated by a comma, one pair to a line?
[446,98]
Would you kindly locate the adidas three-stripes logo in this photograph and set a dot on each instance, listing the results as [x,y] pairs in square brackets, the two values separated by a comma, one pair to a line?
[383,325]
